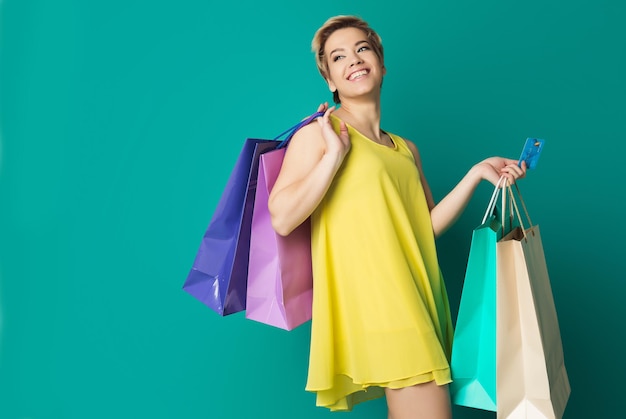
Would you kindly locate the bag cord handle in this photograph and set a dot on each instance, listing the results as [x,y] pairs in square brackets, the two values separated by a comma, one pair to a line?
[516,210]
[504,183]
[492,202]
[291,131]
[521,200]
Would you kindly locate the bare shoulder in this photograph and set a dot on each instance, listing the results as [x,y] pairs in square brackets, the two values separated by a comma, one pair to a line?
[308,137]
[304,151]
[415,151]
[420,169]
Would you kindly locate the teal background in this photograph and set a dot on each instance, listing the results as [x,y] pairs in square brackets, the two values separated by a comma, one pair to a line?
[120,122]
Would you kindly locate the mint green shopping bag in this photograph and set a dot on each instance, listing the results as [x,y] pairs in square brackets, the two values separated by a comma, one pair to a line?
[474,345]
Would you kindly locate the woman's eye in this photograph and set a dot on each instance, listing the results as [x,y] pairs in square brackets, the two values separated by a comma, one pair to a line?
[362,49]
[337,57]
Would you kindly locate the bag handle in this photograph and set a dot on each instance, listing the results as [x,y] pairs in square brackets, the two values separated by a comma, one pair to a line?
[515,208]
[507,196]
[521,200]
[494,197]
[291,131]
[503,183]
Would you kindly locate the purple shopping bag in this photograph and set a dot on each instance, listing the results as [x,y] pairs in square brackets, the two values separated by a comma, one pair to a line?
[280,281]
[218,277]
[219,273]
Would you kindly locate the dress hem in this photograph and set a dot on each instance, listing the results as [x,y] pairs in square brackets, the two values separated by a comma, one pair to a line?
[364,391]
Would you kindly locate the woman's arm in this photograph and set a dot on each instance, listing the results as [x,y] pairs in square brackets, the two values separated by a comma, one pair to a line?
[312,159]
[444,214]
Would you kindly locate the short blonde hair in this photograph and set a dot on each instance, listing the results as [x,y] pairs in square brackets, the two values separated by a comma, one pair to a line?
[341,22]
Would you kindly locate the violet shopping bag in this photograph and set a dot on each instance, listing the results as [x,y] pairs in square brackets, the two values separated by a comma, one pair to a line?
[218,277]
[532,381]
[280,280]
[474,346]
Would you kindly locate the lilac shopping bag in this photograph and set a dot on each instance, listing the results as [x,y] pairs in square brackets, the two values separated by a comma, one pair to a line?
[280,281]
[218,277]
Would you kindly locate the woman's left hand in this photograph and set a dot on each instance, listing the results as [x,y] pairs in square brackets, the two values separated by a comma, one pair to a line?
[493,168]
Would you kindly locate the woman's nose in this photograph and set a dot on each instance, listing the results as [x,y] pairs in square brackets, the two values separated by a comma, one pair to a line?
[356,60]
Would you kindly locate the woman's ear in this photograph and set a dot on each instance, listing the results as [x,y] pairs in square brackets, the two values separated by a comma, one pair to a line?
[331,86]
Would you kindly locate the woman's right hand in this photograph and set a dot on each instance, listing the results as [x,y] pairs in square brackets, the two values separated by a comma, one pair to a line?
[336,145]
[311,161]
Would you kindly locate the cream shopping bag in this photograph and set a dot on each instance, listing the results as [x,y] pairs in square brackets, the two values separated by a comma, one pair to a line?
[531,378]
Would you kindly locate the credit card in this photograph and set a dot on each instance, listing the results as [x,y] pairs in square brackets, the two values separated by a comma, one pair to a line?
[531,152]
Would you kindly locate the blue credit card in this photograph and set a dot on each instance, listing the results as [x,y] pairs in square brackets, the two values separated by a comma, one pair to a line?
[531,152]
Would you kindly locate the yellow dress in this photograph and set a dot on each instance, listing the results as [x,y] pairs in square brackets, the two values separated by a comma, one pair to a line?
[380,310]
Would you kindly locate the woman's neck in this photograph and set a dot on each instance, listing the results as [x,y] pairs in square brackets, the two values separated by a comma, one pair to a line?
[363,116]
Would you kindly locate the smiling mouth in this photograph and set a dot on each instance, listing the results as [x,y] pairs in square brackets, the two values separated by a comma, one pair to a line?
[358,74]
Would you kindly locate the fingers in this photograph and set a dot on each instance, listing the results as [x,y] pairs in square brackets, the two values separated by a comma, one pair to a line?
[510,161]
[524,168]
[343,131]
[324,119]
[322,107]
[512,172]
[515,170]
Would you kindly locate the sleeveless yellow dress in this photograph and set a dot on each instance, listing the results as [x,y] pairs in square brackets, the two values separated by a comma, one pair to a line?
[380,310]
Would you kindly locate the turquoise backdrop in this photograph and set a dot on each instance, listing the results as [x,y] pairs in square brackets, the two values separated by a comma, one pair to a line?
[120,122]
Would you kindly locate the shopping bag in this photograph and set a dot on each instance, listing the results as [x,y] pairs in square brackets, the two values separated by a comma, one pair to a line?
[280,279]
[532,380]
[474,346]
[218,277]
[219,272]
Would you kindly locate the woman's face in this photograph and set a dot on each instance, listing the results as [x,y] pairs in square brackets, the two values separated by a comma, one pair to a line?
[353,67]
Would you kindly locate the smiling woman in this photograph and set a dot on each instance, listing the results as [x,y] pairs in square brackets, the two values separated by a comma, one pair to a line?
[381,320]
[372,41]
[353,66]
[121,120]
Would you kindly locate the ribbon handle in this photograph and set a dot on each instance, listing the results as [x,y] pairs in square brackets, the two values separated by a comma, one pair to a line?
[494,198]
[291,131]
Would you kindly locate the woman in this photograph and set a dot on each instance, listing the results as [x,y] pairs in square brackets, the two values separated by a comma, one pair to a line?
[381,322]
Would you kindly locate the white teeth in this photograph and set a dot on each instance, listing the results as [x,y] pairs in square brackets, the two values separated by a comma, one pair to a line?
[357,74]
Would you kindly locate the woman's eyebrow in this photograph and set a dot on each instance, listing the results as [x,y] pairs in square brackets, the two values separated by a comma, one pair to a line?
[335,50]
[363,41]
